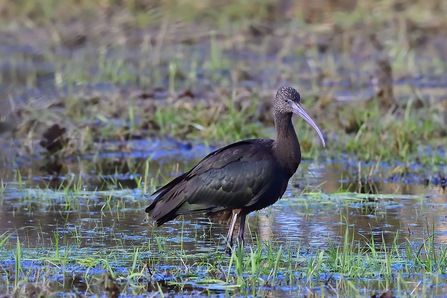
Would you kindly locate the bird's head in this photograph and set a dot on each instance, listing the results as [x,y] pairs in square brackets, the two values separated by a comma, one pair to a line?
[287,101]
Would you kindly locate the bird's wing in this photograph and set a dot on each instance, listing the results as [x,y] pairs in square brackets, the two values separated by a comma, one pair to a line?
[231,177]
[220,158]
[236,185]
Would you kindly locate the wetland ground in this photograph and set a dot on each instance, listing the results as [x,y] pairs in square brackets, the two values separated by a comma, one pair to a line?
[101,102]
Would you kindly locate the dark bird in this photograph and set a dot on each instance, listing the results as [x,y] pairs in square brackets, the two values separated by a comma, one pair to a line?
[240,178]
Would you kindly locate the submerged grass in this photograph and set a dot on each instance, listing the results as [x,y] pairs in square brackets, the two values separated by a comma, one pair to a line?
[263,267]
[93,256]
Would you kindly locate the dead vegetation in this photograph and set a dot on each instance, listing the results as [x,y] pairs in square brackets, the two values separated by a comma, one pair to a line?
[370,72]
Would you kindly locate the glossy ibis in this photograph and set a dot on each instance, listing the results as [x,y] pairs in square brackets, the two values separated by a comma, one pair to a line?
[240,178]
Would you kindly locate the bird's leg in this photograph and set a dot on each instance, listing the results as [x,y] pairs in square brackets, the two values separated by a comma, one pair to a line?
[240,235]
[230,233]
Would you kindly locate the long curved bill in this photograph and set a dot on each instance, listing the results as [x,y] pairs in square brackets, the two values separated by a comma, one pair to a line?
[298,109]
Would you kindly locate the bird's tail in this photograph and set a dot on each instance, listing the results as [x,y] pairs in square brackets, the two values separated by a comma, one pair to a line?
[164,208]
[171,203]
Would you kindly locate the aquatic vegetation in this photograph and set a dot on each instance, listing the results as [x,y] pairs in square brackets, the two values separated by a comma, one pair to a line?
[104,251]
[123,95]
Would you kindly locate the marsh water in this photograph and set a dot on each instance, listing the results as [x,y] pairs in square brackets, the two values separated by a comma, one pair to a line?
[98,204]
[73,224]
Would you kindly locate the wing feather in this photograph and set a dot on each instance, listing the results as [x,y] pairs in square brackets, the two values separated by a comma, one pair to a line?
[229,178]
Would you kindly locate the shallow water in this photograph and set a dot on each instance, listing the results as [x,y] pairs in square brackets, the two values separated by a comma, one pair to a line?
[96,206]
[67,224]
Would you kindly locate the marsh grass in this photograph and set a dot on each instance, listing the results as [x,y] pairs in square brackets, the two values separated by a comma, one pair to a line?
[175,68]
[260,268]
[161,262]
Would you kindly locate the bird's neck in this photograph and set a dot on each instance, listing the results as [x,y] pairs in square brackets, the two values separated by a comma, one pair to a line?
[287,146]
